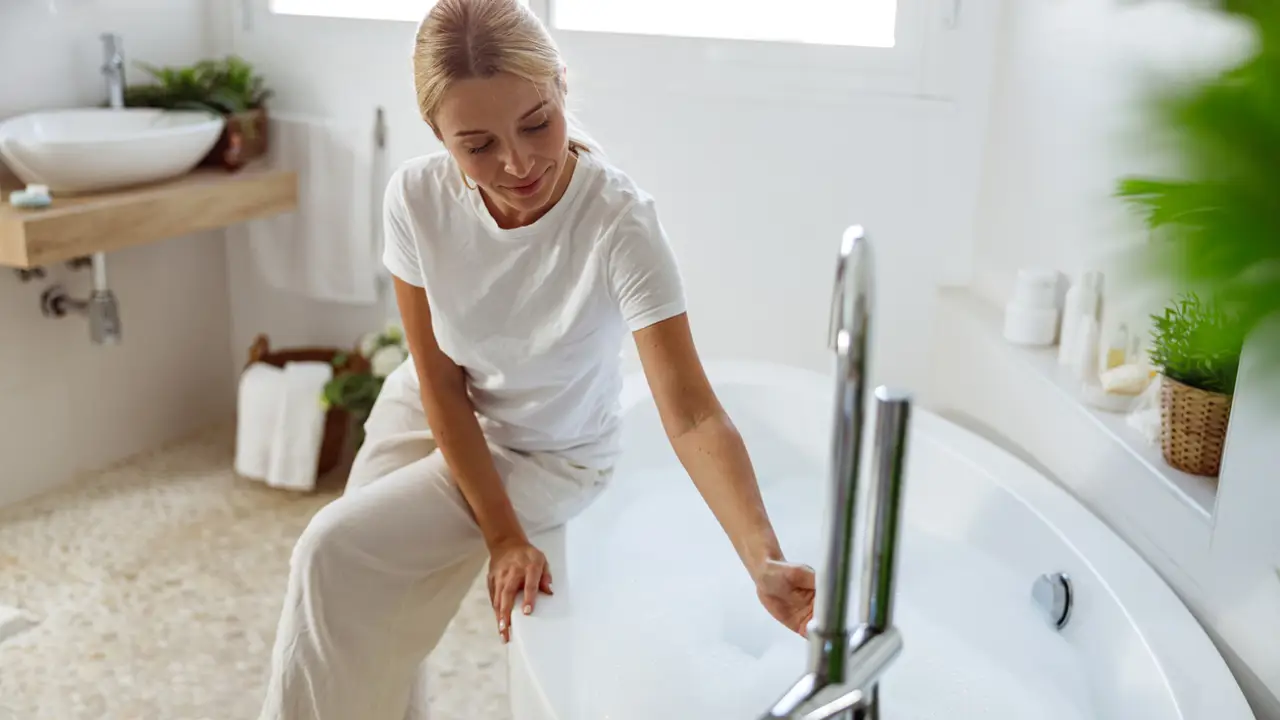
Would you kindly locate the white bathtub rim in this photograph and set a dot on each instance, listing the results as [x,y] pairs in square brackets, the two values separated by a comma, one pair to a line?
[537,643]
[1147,601]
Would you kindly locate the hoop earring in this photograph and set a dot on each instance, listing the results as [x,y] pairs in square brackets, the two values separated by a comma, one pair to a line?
[464,180]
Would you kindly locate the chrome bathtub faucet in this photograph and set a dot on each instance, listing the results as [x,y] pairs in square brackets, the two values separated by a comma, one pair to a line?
[845,665]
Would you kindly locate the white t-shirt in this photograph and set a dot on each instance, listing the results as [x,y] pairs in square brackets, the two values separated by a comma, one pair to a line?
[536,315]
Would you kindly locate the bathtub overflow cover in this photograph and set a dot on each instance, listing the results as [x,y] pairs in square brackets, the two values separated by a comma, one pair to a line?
[1053,595]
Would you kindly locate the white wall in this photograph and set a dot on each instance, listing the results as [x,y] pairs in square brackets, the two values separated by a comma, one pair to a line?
[1066,123]
[755,188]
[67,405]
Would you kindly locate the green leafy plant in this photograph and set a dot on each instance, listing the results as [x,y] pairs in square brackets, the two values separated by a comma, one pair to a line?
[355,386]
[1216,228]
[223,87]
[1194,343]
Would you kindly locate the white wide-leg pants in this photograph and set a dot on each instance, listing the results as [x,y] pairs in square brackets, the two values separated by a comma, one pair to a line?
[378,574]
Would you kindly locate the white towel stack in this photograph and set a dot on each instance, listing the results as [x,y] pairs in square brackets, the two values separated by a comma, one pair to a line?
[257,411]
[280,423]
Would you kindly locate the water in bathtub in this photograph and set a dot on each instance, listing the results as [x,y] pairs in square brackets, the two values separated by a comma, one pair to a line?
[680,634]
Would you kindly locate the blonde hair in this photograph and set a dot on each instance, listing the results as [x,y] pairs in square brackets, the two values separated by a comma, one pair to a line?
[461,39]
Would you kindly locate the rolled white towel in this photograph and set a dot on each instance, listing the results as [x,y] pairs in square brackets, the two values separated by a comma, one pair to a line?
[257,414]
[299,430]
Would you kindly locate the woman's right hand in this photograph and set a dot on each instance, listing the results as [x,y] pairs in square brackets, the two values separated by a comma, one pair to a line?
[515,566]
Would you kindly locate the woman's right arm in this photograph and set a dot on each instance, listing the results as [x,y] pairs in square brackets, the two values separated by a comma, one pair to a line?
[453,422]
[514,563]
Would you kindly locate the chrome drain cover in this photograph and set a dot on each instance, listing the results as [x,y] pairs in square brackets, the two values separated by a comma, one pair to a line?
[1053,594]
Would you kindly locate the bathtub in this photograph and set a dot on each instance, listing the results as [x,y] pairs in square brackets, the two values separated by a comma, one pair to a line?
[653,615]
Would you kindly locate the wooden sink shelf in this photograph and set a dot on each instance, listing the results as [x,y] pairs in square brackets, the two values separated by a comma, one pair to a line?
[79,225]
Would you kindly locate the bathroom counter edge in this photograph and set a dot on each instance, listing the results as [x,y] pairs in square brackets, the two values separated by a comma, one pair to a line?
[79,225]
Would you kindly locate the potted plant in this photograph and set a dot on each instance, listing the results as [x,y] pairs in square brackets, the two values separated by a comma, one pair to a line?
[355,386]
[1197,352]
[229,87]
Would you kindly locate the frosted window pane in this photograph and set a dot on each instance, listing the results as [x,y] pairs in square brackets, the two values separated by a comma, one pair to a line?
[413,10]
[866,23]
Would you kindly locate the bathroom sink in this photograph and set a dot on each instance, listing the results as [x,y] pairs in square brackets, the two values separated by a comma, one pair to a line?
[91,149]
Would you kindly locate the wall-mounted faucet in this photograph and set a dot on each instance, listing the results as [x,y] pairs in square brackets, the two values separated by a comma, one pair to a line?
[845,666]
[113,68]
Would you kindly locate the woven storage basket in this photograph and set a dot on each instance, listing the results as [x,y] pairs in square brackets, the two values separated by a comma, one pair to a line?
[336,420]
[1193,427]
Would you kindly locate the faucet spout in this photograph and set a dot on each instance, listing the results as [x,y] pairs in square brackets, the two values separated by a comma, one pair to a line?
[113,68]
[845,667]
[853,287]
[850,327]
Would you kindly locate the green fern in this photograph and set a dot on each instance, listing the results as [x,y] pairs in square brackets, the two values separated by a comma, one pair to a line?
[1195,344]
[223,87]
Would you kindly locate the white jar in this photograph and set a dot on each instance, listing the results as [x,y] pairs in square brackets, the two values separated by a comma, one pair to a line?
[1032,315]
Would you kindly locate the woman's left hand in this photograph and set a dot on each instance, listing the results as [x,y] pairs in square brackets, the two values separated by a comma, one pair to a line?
[786,590]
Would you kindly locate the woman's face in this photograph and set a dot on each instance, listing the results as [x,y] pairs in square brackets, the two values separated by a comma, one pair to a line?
[509,136]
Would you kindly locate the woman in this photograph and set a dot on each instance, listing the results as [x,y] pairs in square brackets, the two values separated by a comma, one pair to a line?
[520,259]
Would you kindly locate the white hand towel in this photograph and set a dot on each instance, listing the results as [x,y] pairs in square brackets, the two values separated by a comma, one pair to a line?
[327,249]
[257,413]
[299,432]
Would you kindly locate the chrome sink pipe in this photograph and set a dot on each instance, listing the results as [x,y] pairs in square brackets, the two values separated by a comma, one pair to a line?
[863,523]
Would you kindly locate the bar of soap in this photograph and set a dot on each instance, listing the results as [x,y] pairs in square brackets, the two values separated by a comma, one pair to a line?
[34,196]
[1126,380]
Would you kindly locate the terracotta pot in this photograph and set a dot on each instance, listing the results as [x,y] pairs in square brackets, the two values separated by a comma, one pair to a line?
[243,139]
[1193,427]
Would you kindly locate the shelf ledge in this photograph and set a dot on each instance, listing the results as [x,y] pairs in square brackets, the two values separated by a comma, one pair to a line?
[80,225]
[1196,493]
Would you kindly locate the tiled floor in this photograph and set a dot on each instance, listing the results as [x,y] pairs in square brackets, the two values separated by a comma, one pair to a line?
[158,584]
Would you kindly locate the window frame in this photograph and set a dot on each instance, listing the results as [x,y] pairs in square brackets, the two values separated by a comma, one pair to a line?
[718,67]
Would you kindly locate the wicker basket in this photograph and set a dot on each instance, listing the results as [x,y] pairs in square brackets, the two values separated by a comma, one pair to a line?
[337,420]
[1193,427]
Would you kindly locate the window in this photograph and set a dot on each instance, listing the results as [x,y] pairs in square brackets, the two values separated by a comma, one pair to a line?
[411,10]
[859,23]
[763,49]
[743,48]
[862,23]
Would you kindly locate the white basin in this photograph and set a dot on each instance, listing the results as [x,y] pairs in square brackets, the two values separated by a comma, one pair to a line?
[88,150]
